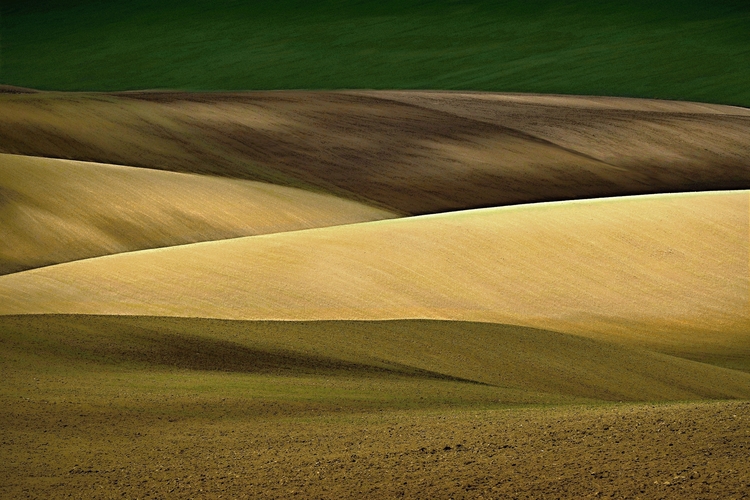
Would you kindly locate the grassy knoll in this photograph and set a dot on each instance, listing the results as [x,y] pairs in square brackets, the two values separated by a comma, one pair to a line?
[669,49]
[412,153]
[663,270]
[54,211]
[196,407]
[496,363]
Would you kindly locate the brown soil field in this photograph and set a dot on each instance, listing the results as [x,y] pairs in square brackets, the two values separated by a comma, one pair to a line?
[668,137]
[666,271]
[113,407]
[54,211]
[409,152]
[696,450]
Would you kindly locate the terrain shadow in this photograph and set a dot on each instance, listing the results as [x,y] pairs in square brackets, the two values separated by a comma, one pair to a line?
[105,340]
[506,357]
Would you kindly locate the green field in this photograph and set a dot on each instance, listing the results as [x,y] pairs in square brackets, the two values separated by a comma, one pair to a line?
[677,50]
[352,366]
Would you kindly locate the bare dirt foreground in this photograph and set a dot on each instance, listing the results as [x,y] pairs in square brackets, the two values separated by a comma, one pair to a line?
[107,407]
[647,451]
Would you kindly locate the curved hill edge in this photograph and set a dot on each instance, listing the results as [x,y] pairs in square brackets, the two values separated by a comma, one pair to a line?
[56,210]
[470,151]
[394,220]
[669,272]
[685,259]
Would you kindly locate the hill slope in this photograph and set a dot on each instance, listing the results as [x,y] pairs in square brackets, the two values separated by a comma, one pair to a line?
[54,211]
[513,363]
[437,152]
[670,139]
[663,270]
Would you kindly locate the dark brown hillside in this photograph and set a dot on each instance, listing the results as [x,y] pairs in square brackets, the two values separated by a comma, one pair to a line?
[415,152]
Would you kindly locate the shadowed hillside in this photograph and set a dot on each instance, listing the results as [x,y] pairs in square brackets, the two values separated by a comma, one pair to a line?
[540,363]
[434,152]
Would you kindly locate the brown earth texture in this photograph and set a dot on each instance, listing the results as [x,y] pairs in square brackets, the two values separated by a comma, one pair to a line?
[689,450]
[107,407]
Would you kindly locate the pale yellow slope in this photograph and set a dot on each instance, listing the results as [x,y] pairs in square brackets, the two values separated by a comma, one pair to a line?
[670,269]
[55,211]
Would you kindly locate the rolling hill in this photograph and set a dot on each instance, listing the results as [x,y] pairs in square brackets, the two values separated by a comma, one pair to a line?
[433,152]
[54,211]
[140,405]
[495,363]
[295,249]
[665,271]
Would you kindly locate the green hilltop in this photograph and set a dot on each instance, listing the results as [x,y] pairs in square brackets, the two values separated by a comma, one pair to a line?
[670,49]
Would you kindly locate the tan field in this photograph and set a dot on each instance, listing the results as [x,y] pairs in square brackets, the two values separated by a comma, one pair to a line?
[665,270]
[54,211]
[236,295]
[433,152]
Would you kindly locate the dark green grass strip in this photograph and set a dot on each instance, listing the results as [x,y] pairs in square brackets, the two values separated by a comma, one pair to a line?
[691,50]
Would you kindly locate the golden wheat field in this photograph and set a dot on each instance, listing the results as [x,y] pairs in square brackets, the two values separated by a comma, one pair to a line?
[381,294]
[656,267]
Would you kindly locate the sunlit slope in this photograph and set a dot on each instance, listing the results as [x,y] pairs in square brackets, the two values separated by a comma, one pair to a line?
[670,269]
[415,152]
[515,364]
[55,211]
